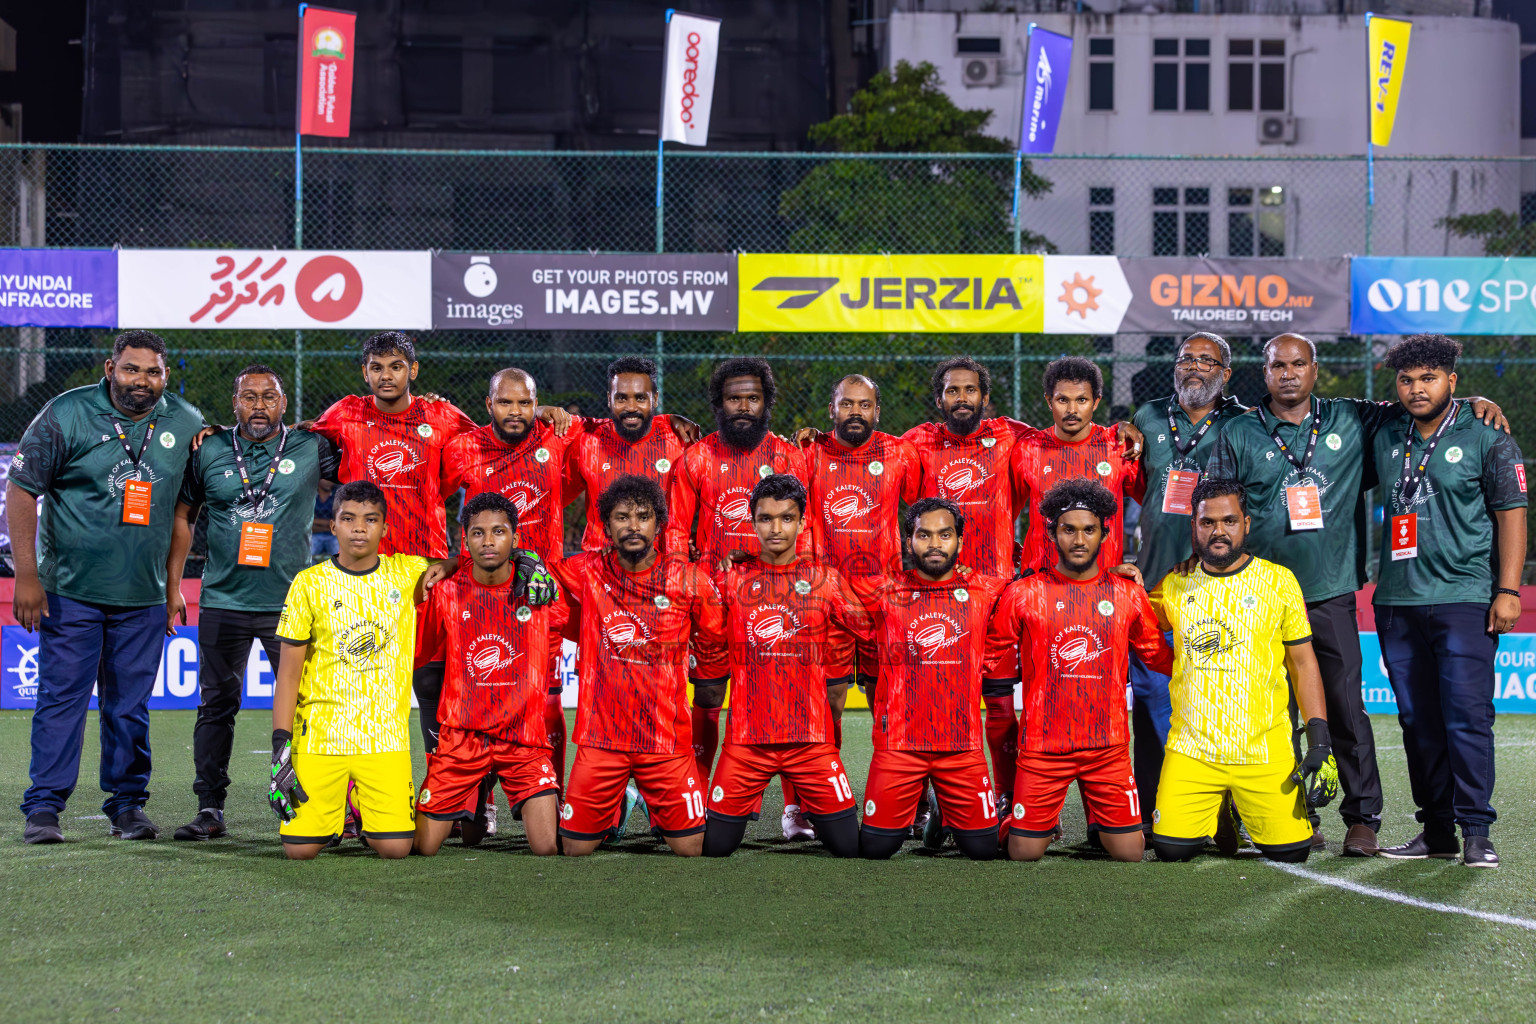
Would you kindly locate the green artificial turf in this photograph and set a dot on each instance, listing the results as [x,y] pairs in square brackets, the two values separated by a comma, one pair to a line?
[166,931]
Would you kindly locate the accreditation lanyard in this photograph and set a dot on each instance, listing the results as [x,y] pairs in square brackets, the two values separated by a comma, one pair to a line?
[122,439]
[1413,474]
[138,504]
[1285,449]
[1194,441]
[255,499]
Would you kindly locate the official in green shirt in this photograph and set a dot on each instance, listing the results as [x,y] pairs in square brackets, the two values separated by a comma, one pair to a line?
[1453,548]
[107,460]
[258,483]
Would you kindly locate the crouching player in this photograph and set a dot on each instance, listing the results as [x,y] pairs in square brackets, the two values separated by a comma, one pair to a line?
[789,624]
[341,709]
[633,612]
[1239,626]
[930,630]
[1068,630]
[493,648]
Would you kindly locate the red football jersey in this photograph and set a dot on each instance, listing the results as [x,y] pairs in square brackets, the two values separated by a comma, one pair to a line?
[790,630]
[932,639]
[530,474]
[495,656]
[1041,460]
[600,456]
[402,453]
[855,502]
[632,630]
[972,471]
[716,480]
[1072,640]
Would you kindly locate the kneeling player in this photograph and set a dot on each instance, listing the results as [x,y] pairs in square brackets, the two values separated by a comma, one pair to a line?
[931,630]
[633,613]
[1068,631]
[494,651]
[341,709]
[1239,625]
[790,626]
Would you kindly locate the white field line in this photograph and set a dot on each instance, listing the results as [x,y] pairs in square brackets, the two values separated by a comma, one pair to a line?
[1397,897]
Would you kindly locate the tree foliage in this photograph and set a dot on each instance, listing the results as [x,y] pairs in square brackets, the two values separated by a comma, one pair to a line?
[1501,232]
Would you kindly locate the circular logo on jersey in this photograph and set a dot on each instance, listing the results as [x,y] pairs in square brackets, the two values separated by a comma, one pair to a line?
[524,613]
[286,467]
[876,468]
[1157,816]
[988,442]
[1334,442]
[802,587]
[663,602]
[1018,812]
[869,807]
[1452,454]
[1106,607]
[1250,602]
[962,595]
[1103,468]
[717,794]
[541,455]
[394,595]
[765,471]
[425,798]
[168,440]
[662,465]
[425,430]
[567,811]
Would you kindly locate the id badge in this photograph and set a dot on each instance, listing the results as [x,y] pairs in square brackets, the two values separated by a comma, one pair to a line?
[1304,506]
[1405,537]
[136,501]
[255,544]
[1180,489]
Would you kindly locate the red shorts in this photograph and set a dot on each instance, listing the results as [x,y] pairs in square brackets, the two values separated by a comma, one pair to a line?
[960,778]
[814,769]
[1104,779]
[464,758]
[669,783]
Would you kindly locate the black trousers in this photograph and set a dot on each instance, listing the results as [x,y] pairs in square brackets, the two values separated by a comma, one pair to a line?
[224,646]
[1336,641]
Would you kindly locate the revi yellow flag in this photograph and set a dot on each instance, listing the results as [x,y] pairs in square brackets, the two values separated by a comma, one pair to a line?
[1388,42]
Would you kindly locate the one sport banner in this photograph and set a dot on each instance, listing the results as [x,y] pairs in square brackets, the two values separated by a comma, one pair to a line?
[1045,89]
[326,39]
[688,81]
[1387,40]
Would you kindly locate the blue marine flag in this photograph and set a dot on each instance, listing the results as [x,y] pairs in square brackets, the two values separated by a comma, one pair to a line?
[1045,87]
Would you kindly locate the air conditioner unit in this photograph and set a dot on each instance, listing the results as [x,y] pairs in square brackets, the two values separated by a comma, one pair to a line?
[981,72]
[1277,129]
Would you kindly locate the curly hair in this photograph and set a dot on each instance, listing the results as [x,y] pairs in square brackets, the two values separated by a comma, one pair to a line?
[640,491]
[778,487]
[364,492]
[1078,493]
[388,343]
[983,375]
[488,501]
[1423,351]
[632,364]
[742,366]
[1077,370]
[1216,487]
[923,506]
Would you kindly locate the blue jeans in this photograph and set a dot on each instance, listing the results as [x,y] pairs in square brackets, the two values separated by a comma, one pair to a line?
[1440,663]
[117,650]
[1151,710]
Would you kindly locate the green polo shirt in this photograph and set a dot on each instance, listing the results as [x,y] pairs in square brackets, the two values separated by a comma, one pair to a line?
[70,455]
[1164,535]
[1476,470]
[1327,562]
[213,480]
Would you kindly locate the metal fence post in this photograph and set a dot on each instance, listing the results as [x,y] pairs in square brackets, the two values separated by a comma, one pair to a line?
[298,376]
[660,215]
[1018,365]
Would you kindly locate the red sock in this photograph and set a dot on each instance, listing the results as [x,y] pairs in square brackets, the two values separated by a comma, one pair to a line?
[706,737]
[1002,740]
[790,797]
[554,722]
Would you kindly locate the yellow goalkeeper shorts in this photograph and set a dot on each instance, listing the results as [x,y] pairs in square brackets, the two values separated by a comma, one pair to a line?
[385,796]
[1266,797]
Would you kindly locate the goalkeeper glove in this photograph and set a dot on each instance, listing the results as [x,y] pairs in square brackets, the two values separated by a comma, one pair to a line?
[285,794]
[1318,773]
[531,580]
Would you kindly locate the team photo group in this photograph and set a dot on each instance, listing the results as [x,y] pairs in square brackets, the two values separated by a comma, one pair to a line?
[1196,672]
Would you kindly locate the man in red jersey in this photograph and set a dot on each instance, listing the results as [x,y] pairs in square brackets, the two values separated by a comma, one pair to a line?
[495,653]
[1068,630]
[790,624]
[715,480]
[634,612]
[931,627]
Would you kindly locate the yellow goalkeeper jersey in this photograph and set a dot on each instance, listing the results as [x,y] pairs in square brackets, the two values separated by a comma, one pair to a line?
[355,694]
[1230,690]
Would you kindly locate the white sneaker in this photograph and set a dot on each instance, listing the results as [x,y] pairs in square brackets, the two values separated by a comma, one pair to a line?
[490,819]
[794,823]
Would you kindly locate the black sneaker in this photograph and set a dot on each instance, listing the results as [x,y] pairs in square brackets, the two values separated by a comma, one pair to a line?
[42,828]
[207,825]
[134,824]
[1477,852]
[1421,846]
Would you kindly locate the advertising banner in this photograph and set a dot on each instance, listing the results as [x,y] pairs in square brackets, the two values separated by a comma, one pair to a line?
[514,291]
[326,53]
[945,294]
[58,288]
[274,288]
[1045,89]
[1387,44]
[1410,295]
[688,78]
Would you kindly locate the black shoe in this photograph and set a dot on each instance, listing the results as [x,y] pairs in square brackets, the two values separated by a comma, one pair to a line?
[134,824]
[1477,852]
[1440,847]
[207,825]
[477,828]
[42,828]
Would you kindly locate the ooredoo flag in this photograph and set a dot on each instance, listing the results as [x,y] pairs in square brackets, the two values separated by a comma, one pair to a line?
[1387,39]
[1045,89]
[688,82]
[325,71]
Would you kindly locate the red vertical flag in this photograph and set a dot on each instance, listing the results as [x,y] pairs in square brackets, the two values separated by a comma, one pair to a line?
[326,40]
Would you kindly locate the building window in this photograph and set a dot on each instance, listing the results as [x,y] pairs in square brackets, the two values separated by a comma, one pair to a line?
[1101,221]
[1256,221]
[1256,72]
[1181,74]
[1101,74]
[1181,221]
